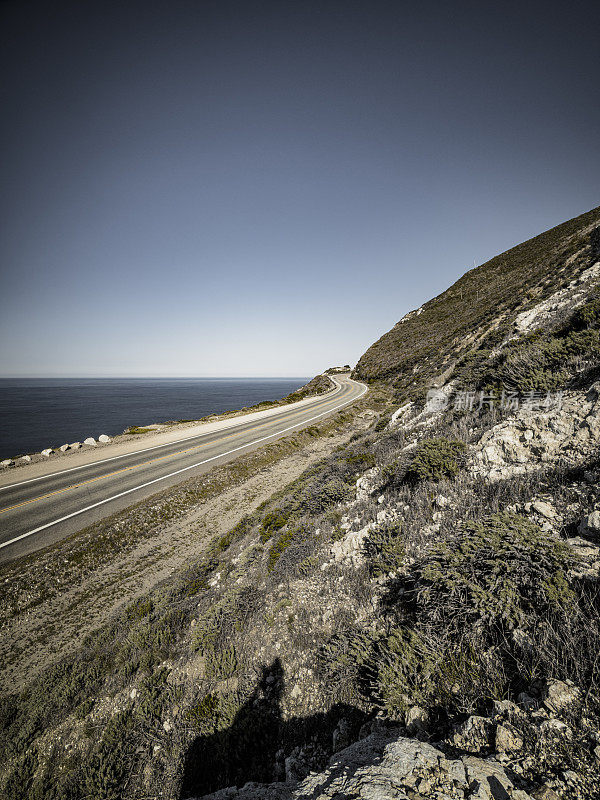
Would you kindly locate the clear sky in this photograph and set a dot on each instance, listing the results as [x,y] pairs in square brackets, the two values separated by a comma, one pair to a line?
[264,188]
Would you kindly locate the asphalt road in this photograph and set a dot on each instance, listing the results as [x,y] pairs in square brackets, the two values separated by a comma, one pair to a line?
[45,509]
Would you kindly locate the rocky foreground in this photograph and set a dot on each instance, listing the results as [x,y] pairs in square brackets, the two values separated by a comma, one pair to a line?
[482,759]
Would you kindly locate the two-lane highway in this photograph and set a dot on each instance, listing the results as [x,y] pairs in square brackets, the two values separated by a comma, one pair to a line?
[43,509]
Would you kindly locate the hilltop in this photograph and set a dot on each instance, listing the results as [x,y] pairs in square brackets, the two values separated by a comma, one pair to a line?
[413,615]
[424,345]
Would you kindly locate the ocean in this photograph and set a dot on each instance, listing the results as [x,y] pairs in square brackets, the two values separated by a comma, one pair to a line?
[36,413]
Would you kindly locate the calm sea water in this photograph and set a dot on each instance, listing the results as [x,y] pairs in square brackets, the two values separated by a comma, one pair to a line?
[37,412]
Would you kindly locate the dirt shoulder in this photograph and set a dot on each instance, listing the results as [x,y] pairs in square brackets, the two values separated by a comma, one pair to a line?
[50,600]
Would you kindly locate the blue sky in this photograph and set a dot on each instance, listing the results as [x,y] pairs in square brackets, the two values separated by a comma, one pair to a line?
[257,188]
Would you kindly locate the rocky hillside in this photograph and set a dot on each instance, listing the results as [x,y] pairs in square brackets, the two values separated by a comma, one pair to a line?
[428,341]
[416,616]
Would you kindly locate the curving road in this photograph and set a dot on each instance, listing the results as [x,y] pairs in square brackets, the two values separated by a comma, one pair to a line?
[36,511]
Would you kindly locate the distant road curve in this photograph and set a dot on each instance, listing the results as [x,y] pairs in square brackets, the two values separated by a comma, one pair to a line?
[48,503]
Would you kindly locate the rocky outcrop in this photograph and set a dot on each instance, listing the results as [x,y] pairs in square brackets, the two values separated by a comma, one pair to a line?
[532,437]
[389,766]
[566,299]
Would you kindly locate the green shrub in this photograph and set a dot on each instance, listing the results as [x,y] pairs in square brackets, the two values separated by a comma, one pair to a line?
[140,608]
[272,522]
[106,766]
[213,712]
[502,570]
[277,550]
[347,663]
[20,779]
[153,694]
[393,474]
[405,676]
[83,709]
[207,630]
[385,550]
[417,667]
[588,315]
[360,461]
[322,494]
[435,459]
[204,714]
[221,664]
[533,366]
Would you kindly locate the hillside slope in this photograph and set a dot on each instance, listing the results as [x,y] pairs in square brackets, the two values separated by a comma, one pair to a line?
[416,615]
[427,341]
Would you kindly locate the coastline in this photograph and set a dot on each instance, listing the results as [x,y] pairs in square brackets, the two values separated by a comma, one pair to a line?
[157,434]
[320,385]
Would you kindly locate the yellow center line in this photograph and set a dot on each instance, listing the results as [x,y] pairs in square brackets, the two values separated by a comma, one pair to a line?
[133,466]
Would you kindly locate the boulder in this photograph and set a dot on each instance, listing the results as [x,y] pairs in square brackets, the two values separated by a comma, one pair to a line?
[351,547]
[555,726]
[506,709]
[387,766]
[64,447]
[590,525]
[90,441]
[508,739]
[474,735]
[25,459]
[75,446]
[104,438]
[8,462]
[560,695]
[367,484]
[47,452]
[583,548]
[544,509]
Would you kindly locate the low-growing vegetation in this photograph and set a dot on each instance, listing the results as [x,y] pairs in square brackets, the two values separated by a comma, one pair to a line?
[422,594]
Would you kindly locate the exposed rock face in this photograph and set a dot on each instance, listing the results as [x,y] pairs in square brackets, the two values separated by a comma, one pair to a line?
[367,484]
[389,766]
[567,299]
[533,437]
[351,547]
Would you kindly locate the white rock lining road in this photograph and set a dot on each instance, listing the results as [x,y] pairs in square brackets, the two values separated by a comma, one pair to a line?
[49,503]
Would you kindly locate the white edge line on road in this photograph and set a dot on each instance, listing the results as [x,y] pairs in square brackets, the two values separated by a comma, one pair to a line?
[177,472]
[156,446]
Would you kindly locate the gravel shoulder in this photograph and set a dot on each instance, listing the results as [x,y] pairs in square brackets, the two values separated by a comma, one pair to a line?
[51,600]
